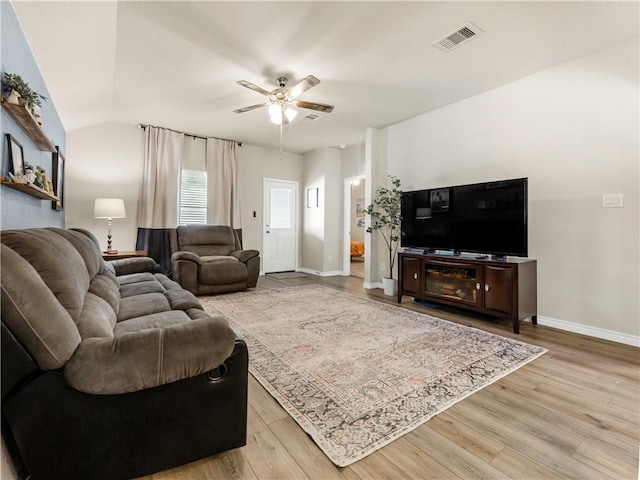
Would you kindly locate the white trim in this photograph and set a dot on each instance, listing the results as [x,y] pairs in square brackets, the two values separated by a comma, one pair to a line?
[589,331]
[331,273]
[370,286]
[346,247]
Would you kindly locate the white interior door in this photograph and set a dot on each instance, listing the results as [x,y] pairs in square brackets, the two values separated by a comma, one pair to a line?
[280,239]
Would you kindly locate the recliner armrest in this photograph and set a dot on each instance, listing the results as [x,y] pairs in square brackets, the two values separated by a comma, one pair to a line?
[148,358]
[184,255]
[126,266]
[245,255]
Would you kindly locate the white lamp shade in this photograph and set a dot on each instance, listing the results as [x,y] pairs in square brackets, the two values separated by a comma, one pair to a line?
[109,208]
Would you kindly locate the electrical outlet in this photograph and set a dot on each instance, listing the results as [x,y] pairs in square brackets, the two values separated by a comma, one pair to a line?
[383,266]
[612,200]
[330,258]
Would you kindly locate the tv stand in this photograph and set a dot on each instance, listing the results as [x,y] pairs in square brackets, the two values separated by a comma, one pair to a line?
[505,289]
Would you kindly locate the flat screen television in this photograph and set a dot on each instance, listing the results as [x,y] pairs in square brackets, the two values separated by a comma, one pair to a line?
[486,218]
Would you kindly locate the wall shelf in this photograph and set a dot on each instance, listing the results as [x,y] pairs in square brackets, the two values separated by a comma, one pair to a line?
[22,116]
[31,190]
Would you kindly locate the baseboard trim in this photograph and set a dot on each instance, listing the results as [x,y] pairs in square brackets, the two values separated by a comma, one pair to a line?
[318,273]
[589,331]
[369,285]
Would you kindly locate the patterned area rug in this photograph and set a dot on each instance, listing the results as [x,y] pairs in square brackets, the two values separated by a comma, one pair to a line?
[357,374]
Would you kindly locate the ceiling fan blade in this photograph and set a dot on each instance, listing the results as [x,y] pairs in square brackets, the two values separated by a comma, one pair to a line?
[252,107]
[303,86]
[253,87]
[322,107]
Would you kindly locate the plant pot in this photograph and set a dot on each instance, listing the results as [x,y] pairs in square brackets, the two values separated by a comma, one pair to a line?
[14,98]
[390,286]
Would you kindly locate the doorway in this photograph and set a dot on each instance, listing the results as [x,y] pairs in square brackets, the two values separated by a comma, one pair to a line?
[280,233]
[354,226]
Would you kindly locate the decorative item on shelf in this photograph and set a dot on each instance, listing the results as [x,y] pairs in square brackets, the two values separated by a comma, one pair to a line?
[109,208]
[16,155]
[386,218]
[14,82]
[25,179]
[13,98]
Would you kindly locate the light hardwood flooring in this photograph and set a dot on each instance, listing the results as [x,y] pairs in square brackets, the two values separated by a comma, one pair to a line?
[572,413]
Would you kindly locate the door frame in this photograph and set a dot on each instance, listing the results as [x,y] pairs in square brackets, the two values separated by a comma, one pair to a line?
[296,216]
[346,248]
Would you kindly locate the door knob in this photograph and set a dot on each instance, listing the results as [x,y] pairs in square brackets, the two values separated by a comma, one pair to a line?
[486,287]
[415,276]
[478,286]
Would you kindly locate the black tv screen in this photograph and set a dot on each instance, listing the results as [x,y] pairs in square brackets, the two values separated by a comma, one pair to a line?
[487,218]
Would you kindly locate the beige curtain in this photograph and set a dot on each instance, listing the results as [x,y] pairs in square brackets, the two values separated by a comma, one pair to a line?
[158,203]
[223,201]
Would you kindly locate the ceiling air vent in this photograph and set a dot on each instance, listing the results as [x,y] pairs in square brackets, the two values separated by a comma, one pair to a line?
[311,117]
[462,35]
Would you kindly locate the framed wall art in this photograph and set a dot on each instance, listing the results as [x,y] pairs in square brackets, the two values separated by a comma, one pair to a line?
[16,155]
[57,164]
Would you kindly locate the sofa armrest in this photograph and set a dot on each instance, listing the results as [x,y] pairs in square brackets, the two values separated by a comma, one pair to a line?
[245,255]
[126,266]
[148,358]
[184,255]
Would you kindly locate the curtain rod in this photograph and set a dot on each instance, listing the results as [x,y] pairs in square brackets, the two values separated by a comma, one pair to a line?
[143,126]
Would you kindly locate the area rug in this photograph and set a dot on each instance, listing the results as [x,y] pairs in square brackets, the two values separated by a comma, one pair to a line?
[356,373]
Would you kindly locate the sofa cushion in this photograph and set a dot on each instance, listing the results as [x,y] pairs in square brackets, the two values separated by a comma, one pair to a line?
[107,288]
[207,239]
[140,305]
[58,264]
[147,358]
[134,278]
[97,318]
[221,270]
[34,315]
[139,288]
[155,320]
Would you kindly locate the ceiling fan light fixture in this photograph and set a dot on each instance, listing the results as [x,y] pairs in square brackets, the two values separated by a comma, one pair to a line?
[290,113]
[275,113]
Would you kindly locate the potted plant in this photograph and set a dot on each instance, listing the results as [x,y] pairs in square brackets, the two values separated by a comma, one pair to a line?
[386,218]
[14,84]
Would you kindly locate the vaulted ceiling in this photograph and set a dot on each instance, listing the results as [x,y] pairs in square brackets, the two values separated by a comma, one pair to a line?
[175,64]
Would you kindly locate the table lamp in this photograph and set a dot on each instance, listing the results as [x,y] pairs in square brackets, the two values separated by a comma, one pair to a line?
[109,208]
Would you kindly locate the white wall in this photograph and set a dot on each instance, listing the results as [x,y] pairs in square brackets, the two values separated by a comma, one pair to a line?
[254,165]
[573,130]
[104,161]
[322,226]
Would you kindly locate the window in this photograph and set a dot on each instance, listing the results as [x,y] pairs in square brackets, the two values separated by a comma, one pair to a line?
[192,209]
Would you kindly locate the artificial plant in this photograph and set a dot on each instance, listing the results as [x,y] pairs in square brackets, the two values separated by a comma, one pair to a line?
[386,217]
[13,81]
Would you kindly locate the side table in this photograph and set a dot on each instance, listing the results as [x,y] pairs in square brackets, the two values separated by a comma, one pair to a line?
[124,254]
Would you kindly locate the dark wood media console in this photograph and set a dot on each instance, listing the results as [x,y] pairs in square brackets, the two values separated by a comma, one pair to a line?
[503,289]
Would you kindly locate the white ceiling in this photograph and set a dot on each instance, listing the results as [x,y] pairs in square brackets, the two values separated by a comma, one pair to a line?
[175,64]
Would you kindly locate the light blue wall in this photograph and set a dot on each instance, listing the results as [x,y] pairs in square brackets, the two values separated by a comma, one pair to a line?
[18,209]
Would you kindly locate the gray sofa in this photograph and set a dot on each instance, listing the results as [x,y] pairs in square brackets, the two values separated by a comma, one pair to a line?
[209,259]
[110,370]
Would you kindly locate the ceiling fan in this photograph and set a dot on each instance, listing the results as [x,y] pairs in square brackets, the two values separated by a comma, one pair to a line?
[281,99]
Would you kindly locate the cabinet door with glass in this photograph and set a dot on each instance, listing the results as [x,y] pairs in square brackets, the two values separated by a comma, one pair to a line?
[458,282]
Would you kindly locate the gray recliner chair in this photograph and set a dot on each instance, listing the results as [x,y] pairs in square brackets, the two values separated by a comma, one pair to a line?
[209,259]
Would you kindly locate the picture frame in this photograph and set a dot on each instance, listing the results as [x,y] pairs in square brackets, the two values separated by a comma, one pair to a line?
[57,164]
[16,155]
[312,197]
[440,200]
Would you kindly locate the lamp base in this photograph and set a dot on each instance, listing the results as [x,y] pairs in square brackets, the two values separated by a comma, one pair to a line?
[111,252]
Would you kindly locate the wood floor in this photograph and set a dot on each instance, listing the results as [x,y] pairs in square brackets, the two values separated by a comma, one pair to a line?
[572,414]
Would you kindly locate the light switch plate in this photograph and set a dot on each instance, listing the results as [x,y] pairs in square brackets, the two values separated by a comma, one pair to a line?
[612,200]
